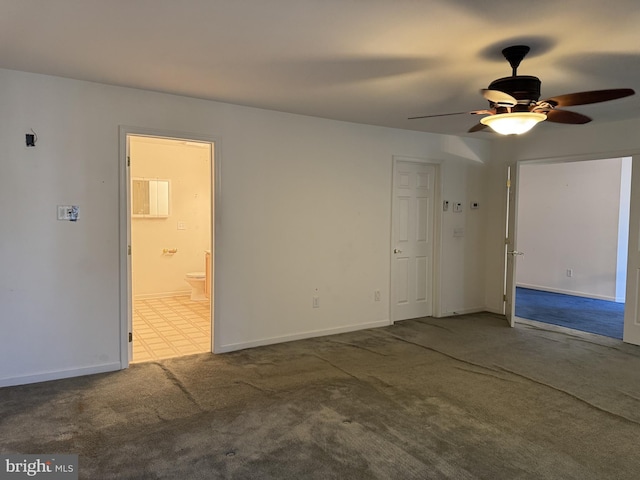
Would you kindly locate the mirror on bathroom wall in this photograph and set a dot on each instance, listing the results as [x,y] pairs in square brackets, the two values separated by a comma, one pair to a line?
[149,198]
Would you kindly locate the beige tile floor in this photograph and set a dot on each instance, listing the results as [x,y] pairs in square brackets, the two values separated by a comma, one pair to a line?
[170,327]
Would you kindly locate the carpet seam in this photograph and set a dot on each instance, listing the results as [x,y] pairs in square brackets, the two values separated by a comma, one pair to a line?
[176,381]
[572,395]
[592,405]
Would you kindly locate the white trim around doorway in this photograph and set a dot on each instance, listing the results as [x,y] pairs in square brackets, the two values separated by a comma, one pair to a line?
[124,225]
[568,159]
[437,227]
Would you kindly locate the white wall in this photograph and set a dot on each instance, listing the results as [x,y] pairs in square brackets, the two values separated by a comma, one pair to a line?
[460,255]
[187,167]
[568,220]
[305,204]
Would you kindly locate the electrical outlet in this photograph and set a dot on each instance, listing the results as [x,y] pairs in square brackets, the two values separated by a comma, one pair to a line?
[376,295]
[316,302]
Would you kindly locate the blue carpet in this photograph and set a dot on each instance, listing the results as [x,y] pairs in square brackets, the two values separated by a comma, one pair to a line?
[586,314]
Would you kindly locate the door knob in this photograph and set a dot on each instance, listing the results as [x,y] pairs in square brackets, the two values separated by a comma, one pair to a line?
[515,252]
[397,250]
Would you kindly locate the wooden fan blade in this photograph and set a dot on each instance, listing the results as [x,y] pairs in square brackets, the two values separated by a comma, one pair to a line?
[438,115]
[477,127]
[484,112]
[566,116]
[499,98]
[584,98]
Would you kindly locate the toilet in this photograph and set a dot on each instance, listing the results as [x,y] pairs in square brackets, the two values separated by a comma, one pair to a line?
[196,280]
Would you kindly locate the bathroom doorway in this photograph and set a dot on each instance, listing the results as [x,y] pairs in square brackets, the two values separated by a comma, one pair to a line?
[170,259]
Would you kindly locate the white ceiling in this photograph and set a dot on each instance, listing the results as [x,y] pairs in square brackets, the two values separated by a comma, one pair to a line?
[367,61]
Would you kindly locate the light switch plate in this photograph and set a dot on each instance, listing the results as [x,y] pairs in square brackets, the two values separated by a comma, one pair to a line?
[68,212]
[457,207]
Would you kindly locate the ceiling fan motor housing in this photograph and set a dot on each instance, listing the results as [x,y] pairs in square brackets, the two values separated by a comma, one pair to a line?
[524,88]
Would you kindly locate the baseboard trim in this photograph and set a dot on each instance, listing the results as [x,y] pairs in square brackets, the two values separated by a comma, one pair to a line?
[59,374]
[463,311]
[566,292]
[177,293]
[232,347]
[494,311]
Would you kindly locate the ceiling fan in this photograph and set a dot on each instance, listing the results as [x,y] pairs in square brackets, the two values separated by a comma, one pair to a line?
[514,107]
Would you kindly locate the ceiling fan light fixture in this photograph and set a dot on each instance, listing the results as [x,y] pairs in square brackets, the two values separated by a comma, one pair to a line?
[513,123]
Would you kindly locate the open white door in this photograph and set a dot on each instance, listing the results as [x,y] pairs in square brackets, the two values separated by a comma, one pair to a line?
[631,332]
[510,253]
[412,240]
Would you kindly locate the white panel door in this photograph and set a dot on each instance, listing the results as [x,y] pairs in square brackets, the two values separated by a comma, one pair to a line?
[632,302]
[412,240]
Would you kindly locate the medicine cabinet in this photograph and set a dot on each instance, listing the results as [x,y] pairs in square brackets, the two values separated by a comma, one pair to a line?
[149,198]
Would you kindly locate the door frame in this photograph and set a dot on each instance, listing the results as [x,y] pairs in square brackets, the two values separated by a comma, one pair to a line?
[512,175]
[635,154]
[436,225]
[124,224]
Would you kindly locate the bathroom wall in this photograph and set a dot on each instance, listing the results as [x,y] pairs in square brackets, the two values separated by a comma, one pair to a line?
[188,227]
